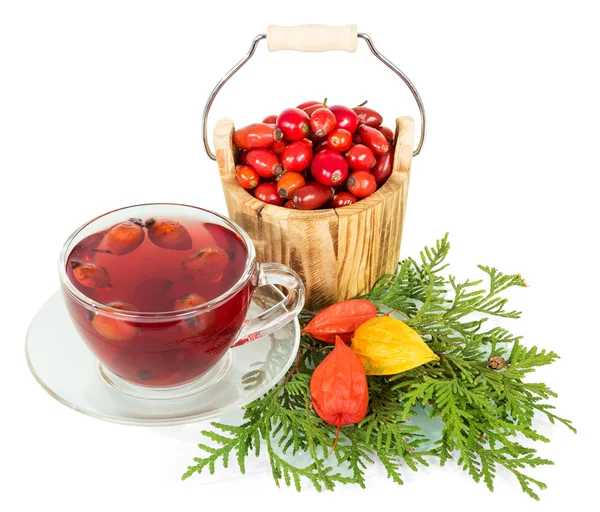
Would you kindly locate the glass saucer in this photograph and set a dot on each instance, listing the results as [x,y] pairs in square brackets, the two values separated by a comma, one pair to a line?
[65,368]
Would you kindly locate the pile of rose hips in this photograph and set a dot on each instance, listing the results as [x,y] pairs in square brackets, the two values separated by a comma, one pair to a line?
[314,156]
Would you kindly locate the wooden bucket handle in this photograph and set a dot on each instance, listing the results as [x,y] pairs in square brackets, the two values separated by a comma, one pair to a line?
[311,38]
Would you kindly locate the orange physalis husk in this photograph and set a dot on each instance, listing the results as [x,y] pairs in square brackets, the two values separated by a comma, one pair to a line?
[340,319]
[338,388]
[387,346]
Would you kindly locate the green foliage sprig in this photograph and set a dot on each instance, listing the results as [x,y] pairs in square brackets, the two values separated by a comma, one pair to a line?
[485,414]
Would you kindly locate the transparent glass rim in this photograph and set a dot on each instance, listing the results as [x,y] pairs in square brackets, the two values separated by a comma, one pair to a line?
[89,303]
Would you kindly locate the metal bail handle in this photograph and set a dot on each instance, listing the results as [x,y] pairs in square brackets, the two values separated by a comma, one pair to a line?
[312,38]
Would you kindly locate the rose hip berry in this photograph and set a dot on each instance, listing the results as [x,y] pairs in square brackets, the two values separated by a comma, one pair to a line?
[209,262]
[323,145]
[343,199]
[247,177]
[340,139]
[294,124]
[278,147]
[289,183]
[111,328]
[312,196]
[345,117]
[317,140]
[360,158]
[314,105]
[368,116]
[307,104]
[329,167]
[168,234]
[289,204]
[256,136]
[272,119]
[90,275]
[387,133]
[362,184]
[374,139]
[265,162]
[124,237]
[384,165]
[322,122]
[191,300]
[297,156]
[198,323]
[243,158]
[267,192]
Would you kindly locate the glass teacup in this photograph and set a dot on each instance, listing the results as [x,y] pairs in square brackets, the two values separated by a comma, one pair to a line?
[160,292]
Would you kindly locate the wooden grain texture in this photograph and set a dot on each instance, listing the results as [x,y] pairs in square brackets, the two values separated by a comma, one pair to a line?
[339,253]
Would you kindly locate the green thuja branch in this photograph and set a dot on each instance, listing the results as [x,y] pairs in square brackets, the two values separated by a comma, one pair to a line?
[484,407]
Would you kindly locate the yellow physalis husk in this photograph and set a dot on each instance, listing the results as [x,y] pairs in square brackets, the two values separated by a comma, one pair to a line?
[387,346]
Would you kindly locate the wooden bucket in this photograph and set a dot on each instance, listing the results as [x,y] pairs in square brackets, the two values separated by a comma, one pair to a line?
[339,253]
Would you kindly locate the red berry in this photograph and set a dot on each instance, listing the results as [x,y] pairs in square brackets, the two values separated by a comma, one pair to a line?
[294,124]
[384,165]
[374,139]
[387,133]
[90,275]
[278,147]
[247,177]
[312,196]
[169,234]
[329,167]
[360,158]
[307,104]
[209,262]
[198,323]
[340,139]
[362,184]
[113,329]
[322,121]
[265,162]
[317,140]
[368,116]
[267,193]
[323,145]
[339,186]
[289,204]
[272,119]
[256,136]
[243,158]
[124,237]
[289,183]
[345,118]
[343,199]
[309,110]
[297,156]
[191,300]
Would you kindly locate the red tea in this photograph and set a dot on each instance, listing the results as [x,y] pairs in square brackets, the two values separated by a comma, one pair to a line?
[159,265]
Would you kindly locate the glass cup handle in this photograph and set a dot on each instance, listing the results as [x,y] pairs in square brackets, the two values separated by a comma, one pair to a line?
[281,313]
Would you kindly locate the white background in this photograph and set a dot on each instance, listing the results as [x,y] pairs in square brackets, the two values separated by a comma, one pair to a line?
[100,107]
